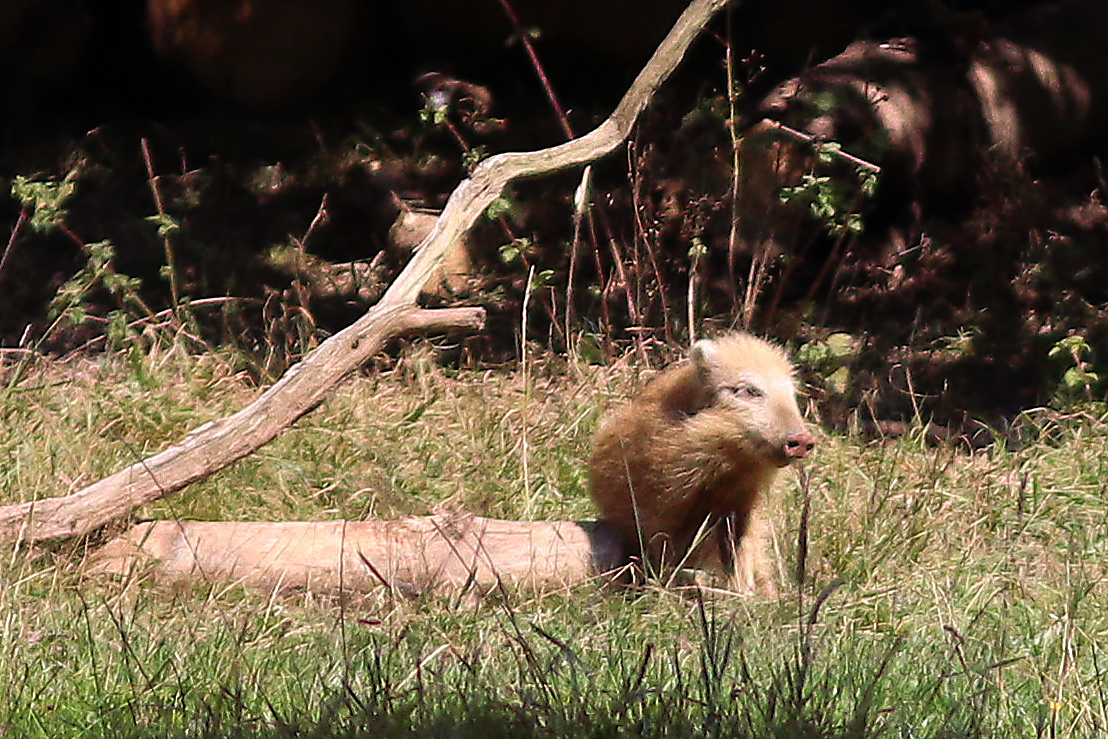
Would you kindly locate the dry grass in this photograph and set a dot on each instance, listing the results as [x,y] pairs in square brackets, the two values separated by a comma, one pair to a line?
[947,593]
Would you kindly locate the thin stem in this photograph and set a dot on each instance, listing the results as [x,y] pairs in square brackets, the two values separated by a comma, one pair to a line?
[24,214]
[521,34]
[170,260]
[736,163]
[694,274]
[648,241]
[580,203]
[526,386]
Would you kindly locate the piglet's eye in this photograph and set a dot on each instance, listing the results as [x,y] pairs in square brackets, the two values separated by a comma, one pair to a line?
[745,391]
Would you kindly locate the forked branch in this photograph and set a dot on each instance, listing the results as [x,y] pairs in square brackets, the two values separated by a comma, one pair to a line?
[215,445]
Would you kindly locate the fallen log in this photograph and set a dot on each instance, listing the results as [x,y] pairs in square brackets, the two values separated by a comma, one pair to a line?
[409,556]
[216,445]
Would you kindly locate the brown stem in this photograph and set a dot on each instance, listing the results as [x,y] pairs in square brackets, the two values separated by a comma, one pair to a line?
[521,34]
[167,239]
[17,229]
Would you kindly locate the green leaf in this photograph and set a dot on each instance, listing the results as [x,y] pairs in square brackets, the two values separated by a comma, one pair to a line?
[839,380]
[512,252]
[167,225]
[474,156]
[502,207]
[813,353]
[841,344]
[117,329]
[698,249]
[542,279]
[1074,346]
[589,350]
[1076,378]
[828,152]
[47,199]
[867,181]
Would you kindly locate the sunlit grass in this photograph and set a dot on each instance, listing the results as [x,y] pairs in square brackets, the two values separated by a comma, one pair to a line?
[947,593]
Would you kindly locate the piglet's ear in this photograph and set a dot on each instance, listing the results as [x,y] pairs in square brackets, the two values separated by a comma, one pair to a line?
[703,353]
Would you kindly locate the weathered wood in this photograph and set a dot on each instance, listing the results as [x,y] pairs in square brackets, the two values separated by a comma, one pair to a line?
[216,445]
[409,555]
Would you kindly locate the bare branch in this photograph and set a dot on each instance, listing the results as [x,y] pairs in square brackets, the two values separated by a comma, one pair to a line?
[216,445]
[473,196]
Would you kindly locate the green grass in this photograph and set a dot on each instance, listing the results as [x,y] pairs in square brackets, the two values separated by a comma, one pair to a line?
[947,593]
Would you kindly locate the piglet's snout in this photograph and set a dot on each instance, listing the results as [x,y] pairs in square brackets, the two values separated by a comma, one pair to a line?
[799,445]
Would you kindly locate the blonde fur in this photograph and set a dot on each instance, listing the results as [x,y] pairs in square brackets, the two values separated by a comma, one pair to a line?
[695,453]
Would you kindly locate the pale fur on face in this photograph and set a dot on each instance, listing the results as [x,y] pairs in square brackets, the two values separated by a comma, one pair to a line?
[754,392]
